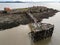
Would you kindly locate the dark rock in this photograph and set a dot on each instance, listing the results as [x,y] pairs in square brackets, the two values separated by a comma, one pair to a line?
[45,32]
[16,17]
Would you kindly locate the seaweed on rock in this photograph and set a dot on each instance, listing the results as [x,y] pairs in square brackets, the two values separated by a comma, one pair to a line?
[19,16]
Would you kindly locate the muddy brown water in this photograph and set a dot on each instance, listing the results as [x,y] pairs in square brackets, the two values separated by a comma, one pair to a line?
[19,35]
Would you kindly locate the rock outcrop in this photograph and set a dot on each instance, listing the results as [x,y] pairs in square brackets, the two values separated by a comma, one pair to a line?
[17,17]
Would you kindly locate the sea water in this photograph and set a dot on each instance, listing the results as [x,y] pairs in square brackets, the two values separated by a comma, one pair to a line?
[19,35]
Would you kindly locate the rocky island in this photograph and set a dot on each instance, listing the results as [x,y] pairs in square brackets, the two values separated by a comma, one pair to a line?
[15,17]
[33,16]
